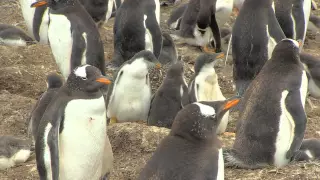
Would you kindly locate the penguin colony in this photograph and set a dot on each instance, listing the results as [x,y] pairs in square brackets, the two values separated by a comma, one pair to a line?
[273,76]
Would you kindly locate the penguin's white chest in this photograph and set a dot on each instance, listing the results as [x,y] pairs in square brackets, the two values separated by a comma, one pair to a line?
[12,42]
[130,100]
[147,37]
[109,11]
[200,39]
[61,41]
[28,14]
[83,139]
[271,43]
[220,175]
[20,157]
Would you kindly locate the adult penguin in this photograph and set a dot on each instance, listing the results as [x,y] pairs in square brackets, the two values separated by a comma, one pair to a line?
[74,37]
[192,150]
[72,141]
[170,97]
[14,36]
[293,17]
[255,33]
[272,122]
[129,96]
[136,28]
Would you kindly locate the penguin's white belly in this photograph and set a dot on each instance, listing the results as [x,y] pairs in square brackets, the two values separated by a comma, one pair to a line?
[220,175]
[83,140]
[61,41]
[20,157]
[43,31]
[285,134]
[199,39]
[314,89]
[109,12]
[157,10]
[307,11]
[148,41]
[13,42]
[131,100]
[28,13]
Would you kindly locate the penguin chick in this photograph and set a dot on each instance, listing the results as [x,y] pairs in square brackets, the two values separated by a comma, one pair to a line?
[14,36]
[171,96]
[14,151]
[136,28]
[54,82]
[312,67]
[72,141]
[175,17]
[309,150]
[192,149]
[169,52]
[130,95]
[204,85]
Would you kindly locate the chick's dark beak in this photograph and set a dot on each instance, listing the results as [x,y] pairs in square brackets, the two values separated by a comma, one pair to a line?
[39,3]
[103,80]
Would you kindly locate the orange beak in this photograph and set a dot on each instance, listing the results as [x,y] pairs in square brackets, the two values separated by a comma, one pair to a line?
[39,3]
[103,80]
[230,104]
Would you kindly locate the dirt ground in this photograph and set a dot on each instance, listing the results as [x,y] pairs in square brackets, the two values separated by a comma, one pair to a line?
[22,80]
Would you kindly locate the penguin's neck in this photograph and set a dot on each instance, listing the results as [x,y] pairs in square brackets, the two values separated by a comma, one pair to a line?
[57,7]
[76,93]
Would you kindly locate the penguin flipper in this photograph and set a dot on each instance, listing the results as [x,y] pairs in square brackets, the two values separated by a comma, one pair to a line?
[152,98]
[154,28]
[53,142]
[216,33]
[78,47]
[185,96]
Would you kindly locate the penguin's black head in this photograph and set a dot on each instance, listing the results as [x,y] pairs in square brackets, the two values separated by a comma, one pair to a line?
[176,69]
[86,78]
[200,120]
[206,60]
[287,49]
[147,57]
[54,81]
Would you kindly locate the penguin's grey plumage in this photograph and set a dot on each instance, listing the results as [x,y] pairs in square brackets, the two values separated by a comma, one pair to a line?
[74,37]
[54,82]
[13,151]
[72,141]
[129,96]
[14,36]
[192,149]
[312,66]
[255,33]
[170,97]
[204,85]
[293,17]
[99,10]
[175,17]
[314,21]
[169,52]
[136,28]
[272,122]
[309,150]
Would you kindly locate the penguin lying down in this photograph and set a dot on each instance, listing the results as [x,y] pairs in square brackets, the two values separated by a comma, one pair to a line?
[309,150]
[14,151]
[14,36]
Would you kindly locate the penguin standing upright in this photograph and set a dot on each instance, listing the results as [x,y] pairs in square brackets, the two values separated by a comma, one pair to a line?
[204,85]
[136,28]
[14,36]
[14,151]
[72,141]
[169,52]
[54,82]
[272,123]
[192,149]
[255,33]
[171,96]
[74,37]
[130,95]
[293,17]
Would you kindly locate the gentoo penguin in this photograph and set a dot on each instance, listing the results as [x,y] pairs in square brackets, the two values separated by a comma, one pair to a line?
[54,82]
[170,97]
[14,151]
[255,33]
[136,28]
[309,150]
[130,95]
[272,121]
[192,149]
[204,85]
[72,141]
[99,10]
[14,36]
[74,37]
[312,66]
[169,52]
[293,17]
[199,27]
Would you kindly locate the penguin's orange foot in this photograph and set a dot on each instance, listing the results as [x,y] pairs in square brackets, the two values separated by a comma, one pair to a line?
[113,120]
[235,11]
[208,50]
[229,134]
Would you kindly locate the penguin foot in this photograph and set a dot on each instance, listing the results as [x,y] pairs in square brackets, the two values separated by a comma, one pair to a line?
[229,134]
[208,50]
[235,11]
[113,120]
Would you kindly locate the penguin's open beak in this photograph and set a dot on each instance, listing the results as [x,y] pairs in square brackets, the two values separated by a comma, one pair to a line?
[103,80]
[220,56]
[231,103]
[39,3]
[158,65]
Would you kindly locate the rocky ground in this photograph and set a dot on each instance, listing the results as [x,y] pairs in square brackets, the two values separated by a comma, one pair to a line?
[22,80]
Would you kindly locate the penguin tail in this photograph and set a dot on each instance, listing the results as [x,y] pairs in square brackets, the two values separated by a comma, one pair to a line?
[231,159]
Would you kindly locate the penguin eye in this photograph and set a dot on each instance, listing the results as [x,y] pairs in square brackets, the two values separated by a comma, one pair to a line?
[84,78]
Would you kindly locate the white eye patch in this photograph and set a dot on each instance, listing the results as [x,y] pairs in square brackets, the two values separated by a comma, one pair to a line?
[81,71]
[206,110]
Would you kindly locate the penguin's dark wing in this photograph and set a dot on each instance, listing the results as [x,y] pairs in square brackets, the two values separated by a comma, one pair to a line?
[177,14]
[216,33]
[154,28]
[296,111]
[35,107]
[274,28]
[192,90]
[78,46]
[37,20]
[152,98]
[185,96]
